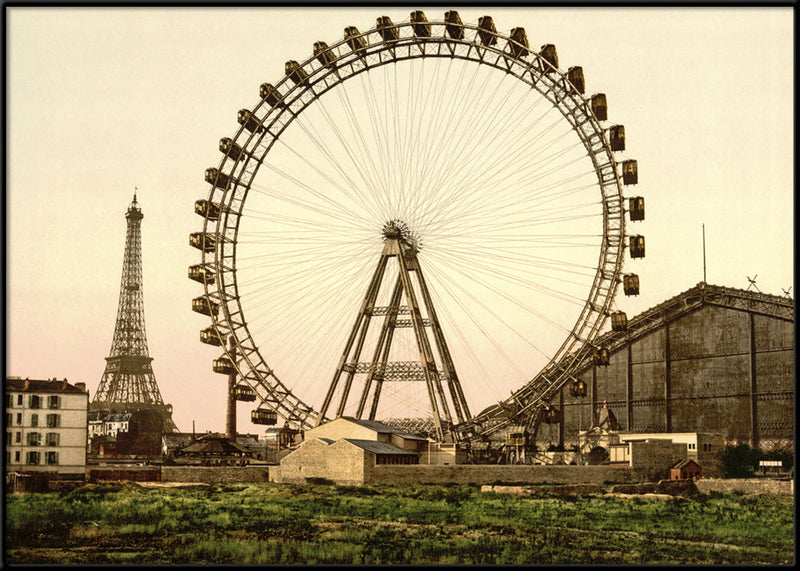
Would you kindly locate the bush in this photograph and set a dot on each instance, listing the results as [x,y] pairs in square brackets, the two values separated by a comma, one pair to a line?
[739,461]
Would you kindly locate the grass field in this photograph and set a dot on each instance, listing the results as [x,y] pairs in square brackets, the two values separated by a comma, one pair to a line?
[380,524]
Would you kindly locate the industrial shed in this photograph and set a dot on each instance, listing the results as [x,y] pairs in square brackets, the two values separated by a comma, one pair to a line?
[710,360]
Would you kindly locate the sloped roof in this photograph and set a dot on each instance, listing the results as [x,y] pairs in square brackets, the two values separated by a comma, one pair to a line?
[39,386]
[214,444]
[176,439]
[383,428]
[379,447]
[685,462]
[694,298]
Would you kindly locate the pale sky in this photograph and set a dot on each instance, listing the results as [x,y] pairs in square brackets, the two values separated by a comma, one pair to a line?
[102,101]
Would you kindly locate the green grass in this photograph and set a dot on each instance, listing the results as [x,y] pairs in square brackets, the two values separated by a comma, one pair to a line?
[382,524]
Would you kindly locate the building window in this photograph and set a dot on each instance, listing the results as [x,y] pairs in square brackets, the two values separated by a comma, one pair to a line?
[52,457]
[19,437]
[33,401]
[34,420]
[8,438]
[8,419]
[54,401]
[9,401]
[19,403]
[53,420]
[16,456]
[52,438]
[32,458]
[34,439]
[19,418]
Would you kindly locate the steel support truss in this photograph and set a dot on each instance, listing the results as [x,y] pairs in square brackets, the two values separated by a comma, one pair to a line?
[379,369]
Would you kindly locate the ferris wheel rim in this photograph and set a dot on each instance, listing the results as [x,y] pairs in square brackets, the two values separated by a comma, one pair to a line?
[253,367]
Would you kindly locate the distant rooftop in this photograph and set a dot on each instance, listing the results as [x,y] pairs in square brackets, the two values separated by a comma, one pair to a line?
[383,428]
[17,384]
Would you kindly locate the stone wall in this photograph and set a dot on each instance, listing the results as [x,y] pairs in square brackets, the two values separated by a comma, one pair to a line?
[501,474]
[215,474]
[747,486]
[340,462]
[128,473]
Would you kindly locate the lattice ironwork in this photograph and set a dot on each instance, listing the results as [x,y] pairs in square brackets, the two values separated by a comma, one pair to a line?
[128,382]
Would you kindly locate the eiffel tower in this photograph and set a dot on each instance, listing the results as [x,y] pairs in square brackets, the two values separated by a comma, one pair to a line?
[434,365]
[128,383]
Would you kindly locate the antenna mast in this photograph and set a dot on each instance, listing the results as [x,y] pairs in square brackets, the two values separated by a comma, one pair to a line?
[704,253]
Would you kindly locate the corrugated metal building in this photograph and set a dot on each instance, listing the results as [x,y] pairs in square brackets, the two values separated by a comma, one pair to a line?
[712,359]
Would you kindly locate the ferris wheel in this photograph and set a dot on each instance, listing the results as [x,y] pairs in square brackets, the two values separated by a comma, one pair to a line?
[451,160]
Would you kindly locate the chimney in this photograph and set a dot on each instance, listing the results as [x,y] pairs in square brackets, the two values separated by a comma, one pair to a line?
[81,387]
[64,384]
[27,384]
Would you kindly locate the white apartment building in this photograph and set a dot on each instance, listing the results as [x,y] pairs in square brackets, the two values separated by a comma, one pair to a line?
[46,426]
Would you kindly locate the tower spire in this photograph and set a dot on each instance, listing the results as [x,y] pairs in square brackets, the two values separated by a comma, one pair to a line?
[128,382]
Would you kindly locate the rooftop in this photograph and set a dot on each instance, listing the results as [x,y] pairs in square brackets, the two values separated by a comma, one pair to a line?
[383,428]
[16,384]
[379,447]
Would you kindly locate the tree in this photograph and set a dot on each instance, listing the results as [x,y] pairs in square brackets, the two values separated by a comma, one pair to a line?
[739,461]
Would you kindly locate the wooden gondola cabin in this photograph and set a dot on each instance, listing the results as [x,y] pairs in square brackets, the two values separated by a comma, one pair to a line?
[387,30]
[487,31]
[549,55]
[209,336]
[207,209]
[230,149]
[636,208]
[243,392]
[599,106]
[619,321]
[270,94]
[454,25]
[204,306]
[264,416]
[575,77]
[630,172]
[296,73]
[249,121]
[422,28]
[200,273]
[616,137]
[202,241]
[630,284]
[637,246]
[355,40]
[224,366]
[577,388]
[324,55]
[518,44]
[602,357]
